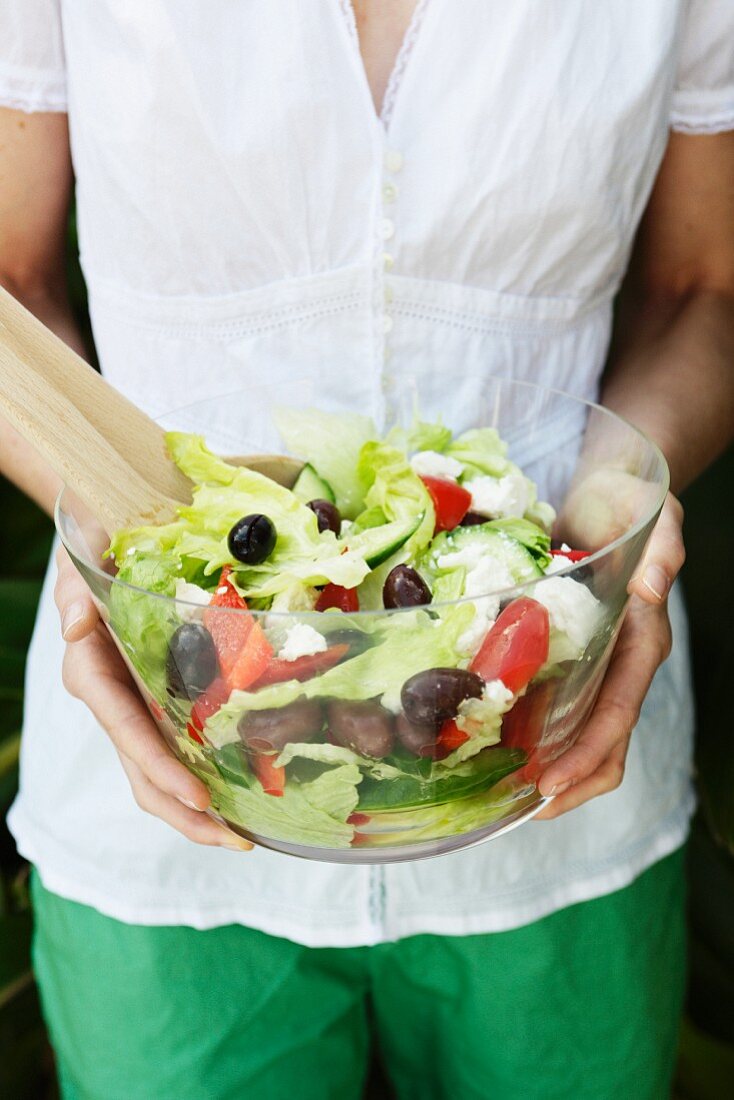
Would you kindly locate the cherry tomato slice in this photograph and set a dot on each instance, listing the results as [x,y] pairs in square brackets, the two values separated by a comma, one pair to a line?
[243,650]
[333,595]
[209,702]
[251,662]
[516,647]
[272,778]
[572,555]
[451,501]
[449,738]
[303,668]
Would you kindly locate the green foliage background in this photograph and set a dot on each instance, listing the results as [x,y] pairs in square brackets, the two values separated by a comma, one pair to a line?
[706,1069]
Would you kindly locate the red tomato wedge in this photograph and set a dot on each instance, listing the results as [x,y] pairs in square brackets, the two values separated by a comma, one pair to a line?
[449,738]
[193,734]
[451,501]
[516,646]
[303,668]
[572,555]
[243,650]
[333,595]
[208,703]
[272,778]
[522,727]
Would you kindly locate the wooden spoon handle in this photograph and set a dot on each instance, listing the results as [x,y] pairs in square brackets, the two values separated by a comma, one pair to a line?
[127,428]
[112,490]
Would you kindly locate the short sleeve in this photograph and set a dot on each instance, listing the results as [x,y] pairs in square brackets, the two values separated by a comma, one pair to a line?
[32,69]
[703,99]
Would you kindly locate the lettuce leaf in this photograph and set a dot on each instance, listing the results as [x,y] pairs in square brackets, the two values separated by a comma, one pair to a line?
[481,451]
[143,623]
[331,442]
[420,436]
[396,491]
[303,556]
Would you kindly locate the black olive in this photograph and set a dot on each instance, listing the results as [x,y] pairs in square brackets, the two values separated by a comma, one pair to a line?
[405,587]
[327,515]
[420,740]
[191,661]
[366,728]
[252,539]
[357,640]
[266,730]
[473,519]
[430,697]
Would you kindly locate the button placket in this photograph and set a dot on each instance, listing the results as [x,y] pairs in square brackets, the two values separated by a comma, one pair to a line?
[393,163]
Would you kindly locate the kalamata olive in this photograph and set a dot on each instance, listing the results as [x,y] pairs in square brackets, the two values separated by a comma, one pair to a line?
[430,697]
[252,539]
[191,661]
[327,515]
[367,728]
[357,640]
[420,740]
[472,519]
[405,587]
[265,730]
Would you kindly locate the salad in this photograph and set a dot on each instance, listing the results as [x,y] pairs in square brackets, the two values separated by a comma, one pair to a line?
[348,662]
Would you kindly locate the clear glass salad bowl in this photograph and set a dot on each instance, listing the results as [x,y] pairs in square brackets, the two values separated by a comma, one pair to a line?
[403,731]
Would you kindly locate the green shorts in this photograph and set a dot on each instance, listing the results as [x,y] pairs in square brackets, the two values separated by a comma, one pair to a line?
[584,1003]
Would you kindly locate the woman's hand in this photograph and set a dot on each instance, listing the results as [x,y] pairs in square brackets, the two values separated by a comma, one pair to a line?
[94,672]
[595,763]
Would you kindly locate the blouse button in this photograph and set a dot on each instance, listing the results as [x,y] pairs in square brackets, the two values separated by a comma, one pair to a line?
[388,294]
[393,160]
[388,229]
[389,192]
[387,323]
[388,260]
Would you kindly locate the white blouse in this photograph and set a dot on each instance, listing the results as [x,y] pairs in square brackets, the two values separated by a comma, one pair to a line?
[243,213]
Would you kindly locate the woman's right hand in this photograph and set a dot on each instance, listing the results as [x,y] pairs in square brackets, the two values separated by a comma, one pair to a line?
[94,672]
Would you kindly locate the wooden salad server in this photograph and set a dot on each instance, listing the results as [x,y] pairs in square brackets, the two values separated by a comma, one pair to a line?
[106,450]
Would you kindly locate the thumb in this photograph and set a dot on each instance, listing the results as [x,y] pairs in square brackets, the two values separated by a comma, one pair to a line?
[664,555]
[78,614]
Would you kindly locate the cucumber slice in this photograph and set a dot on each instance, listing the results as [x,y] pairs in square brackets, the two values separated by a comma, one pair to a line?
[377,544]
[311,486]
[493,542]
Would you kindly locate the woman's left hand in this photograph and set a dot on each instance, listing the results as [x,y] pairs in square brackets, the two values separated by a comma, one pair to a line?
[595,763]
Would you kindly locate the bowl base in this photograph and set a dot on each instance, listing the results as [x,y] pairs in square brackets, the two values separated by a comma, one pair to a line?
[393,854]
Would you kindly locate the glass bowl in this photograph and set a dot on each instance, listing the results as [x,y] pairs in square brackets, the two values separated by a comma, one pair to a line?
[354,778]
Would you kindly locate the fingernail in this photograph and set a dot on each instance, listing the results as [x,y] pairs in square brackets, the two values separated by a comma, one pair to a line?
[243,846]
[190,805]
[655,581]
[560,788]
[72,615]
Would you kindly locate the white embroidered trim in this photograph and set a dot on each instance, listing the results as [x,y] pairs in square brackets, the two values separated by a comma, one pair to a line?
[689,124]
[20,95]
[401,62]
[403,56]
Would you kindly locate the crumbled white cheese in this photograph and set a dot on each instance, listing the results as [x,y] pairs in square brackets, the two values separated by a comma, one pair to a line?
[190,594]
[433,464]
[301,640]
[485,613]
[485,576]
[556,564]
[574,616]
[499,497]
[483,713]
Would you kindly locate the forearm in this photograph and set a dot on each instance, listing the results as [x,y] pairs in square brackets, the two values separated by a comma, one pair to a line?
[671,373]
[19,461]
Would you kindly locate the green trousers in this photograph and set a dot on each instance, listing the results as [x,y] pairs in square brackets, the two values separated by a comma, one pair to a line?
[583,1004]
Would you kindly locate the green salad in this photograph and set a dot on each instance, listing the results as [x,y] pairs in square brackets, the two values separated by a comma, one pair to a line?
[347,662]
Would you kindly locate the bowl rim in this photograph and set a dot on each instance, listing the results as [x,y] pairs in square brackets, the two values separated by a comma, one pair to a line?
[515,590]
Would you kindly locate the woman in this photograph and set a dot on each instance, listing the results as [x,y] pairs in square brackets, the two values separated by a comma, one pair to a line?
[265,188]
